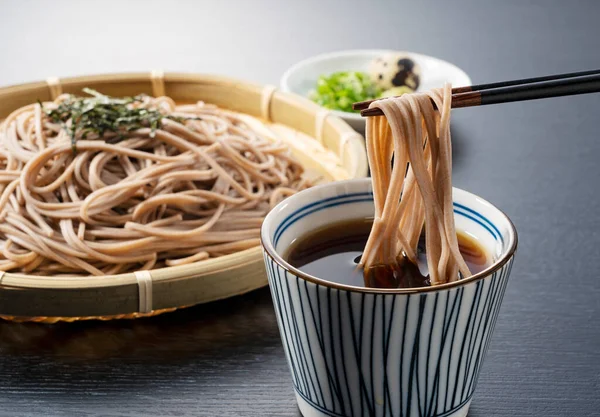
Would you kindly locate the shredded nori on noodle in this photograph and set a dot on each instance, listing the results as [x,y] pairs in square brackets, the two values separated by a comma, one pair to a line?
[101,114]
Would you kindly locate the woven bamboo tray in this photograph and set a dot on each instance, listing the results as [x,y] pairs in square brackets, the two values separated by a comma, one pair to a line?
[323,143]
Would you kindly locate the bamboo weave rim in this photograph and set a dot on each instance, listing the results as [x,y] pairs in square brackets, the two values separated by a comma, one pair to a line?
[51,299]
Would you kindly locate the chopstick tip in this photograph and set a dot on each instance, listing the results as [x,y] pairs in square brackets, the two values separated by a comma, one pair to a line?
[371,112]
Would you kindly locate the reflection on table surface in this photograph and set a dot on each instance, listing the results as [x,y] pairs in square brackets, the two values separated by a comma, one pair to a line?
[216,328]
[201,361]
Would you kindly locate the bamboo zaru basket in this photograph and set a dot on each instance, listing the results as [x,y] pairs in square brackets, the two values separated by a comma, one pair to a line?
[323,144]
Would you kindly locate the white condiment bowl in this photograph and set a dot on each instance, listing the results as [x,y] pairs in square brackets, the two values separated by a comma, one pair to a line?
[302,77]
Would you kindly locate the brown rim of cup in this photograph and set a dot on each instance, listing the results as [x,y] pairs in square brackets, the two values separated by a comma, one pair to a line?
[488,272]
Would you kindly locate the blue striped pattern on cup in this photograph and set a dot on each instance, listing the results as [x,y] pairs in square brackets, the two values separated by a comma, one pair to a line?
[356,352]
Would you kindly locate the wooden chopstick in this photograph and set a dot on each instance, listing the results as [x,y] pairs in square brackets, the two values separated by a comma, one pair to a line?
[517,90]
[479,87]
[361,105]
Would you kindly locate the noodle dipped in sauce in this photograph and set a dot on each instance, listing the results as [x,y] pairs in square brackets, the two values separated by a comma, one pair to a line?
[412,240]
[409,201]
[333,253]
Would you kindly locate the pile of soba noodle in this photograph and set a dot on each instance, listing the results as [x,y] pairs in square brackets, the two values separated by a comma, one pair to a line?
[195,185]
[413,132]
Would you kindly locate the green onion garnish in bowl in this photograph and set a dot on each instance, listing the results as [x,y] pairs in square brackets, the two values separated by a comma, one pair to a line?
[338,91]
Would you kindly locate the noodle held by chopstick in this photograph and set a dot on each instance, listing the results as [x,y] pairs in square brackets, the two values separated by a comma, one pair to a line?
[168,185]
[408,201]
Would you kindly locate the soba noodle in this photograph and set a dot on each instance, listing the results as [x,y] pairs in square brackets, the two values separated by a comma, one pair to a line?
[196,186]
[413,132]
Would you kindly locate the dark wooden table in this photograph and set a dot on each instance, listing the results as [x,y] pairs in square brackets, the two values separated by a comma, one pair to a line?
[539,161]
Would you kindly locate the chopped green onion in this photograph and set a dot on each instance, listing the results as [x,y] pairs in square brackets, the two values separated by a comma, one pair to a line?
[338,91]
